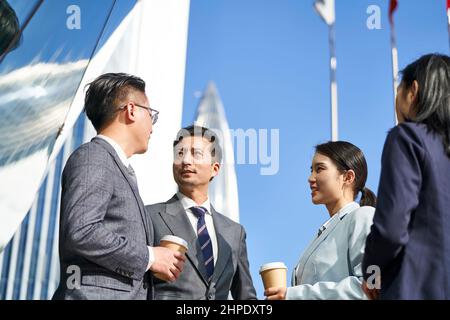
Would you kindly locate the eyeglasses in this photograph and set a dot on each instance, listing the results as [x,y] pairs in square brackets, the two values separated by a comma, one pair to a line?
[153,113]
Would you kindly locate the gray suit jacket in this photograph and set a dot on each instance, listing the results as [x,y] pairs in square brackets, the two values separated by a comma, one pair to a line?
[330,268]
[231,272]
[104,233]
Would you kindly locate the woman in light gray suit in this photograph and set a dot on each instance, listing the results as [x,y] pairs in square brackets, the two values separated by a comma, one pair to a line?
[330,268]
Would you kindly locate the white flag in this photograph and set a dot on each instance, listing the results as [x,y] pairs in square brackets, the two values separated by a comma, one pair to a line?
[325,8]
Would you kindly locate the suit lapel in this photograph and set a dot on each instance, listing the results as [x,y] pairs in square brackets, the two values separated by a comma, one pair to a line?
[332,225]
[313,246]
[224,237]
[134,187]
[178,223]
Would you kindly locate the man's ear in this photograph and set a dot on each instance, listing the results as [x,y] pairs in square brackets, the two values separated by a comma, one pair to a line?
[130,112]
[215,168]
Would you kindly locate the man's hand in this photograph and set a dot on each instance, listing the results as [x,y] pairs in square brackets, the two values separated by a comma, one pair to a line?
[168,264]
[275,293]
[372,294]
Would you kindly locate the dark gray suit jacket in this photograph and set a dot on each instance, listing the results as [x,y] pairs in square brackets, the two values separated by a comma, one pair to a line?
[231,272]
[103,229]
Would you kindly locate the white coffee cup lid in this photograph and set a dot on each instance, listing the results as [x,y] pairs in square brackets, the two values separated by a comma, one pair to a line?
[175,239]
[272,265]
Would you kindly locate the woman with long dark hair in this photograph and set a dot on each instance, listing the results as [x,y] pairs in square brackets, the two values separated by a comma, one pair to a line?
[330,268]
[409,243]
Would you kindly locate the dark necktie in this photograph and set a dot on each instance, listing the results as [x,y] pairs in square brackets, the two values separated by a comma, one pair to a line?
[204,240]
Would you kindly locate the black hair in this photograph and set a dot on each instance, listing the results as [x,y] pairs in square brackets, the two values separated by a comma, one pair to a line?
[432,73]
[9,28]
[347,156]
[199,131]
[104,94]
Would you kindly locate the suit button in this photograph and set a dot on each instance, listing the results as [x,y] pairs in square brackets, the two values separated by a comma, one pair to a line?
[210,296]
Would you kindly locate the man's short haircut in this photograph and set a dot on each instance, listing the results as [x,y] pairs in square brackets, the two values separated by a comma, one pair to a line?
[105,93]
[208,134]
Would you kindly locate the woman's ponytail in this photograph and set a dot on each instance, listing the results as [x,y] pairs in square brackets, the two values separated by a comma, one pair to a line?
[368,198]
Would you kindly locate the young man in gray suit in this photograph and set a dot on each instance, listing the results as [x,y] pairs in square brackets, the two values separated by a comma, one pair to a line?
[217,261]
[105,240]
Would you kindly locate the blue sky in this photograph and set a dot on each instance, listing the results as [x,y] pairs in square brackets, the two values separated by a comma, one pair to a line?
[269,60]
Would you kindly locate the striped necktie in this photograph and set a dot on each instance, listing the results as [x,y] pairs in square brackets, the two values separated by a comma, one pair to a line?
[204,240]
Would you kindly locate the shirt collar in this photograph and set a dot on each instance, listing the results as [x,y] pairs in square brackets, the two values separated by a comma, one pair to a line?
[117,148]
[187,203]
[349,207]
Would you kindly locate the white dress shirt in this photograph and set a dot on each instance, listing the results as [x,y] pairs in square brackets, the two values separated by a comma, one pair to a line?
[123,157]
[187,203]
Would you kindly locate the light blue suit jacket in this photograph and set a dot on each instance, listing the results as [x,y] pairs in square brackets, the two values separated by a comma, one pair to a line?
[330,268]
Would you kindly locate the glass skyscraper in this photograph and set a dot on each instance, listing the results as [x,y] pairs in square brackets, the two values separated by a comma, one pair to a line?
[29,266]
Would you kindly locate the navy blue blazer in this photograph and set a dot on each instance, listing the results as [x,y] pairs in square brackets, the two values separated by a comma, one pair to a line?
[410,235]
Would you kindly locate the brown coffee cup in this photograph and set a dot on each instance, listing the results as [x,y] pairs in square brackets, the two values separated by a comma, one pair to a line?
[174,243]
[274,274]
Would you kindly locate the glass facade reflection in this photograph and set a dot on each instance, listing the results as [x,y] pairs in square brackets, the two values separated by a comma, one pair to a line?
[38,81]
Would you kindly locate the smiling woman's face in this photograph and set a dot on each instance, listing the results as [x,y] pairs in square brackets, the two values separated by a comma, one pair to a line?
[325,181]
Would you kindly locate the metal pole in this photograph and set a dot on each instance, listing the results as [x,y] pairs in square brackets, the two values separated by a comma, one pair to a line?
[394,55]
[333,85]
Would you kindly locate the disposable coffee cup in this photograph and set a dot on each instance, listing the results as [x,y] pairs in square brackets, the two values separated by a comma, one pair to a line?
[174,243]
[274,274]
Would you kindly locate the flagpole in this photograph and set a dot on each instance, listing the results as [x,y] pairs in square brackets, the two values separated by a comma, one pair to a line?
[448,20]
[333,84]
[394,56]
[448,26]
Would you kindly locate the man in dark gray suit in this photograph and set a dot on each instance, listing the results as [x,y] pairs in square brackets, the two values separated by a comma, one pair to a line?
[217,262]
[105,240]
